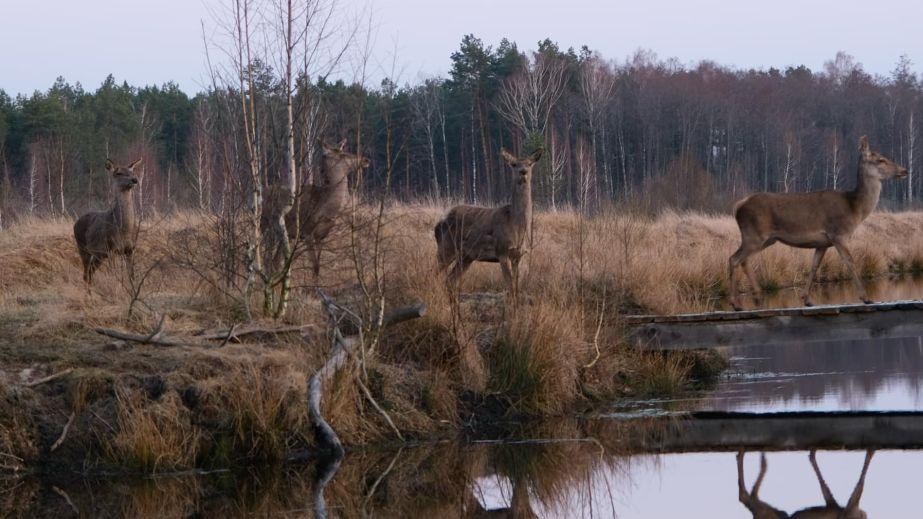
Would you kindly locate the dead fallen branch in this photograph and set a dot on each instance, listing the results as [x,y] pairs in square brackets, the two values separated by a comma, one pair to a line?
[156,337]
[142,339]
[50,378]
[236,332]
[340,353]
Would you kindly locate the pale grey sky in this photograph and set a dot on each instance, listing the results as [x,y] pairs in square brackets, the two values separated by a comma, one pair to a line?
[153,41]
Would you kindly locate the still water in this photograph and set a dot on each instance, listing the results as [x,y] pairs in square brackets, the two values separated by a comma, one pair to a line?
[559,479]
[652,459]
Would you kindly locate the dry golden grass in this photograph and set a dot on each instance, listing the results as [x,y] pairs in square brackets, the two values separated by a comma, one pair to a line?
[583,273]
[534,360]
[154,436]
[670,263]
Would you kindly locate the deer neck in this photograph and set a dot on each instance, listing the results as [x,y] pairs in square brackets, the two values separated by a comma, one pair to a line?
[334,180]
[868,191]
[123,212]
[521,206]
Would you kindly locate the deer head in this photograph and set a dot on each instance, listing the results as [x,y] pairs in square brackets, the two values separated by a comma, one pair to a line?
[521,167]
[877,165]
[123,178]
[339,163]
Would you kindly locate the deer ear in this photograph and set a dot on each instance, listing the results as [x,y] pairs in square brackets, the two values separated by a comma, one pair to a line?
[110,167]
[135,163]
[507,156]
[537,154]
[864,145]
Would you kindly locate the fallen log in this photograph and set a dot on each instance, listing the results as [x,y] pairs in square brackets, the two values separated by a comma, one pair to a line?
[342,349]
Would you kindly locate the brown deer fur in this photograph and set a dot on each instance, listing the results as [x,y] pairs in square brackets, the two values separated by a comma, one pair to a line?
[103,233]
[817,220]
[831,509]
[318,206]
[500,235]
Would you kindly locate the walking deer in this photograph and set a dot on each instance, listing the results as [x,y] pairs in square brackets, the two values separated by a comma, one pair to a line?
[318,206]
[831,509]
[817,220]
[497,235]
[104,233]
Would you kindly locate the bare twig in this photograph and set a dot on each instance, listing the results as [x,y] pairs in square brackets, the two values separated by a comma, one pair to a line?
[382,412]
[368,497]
[67,427]
[228,337]
[599,326]
[157,331]
[66,497]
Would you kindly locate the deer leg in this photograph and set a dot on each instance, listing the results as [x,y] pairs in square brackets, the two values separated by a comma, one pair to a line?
[847,259]
[755,491]
[514,263]
[458,270]
[754,284]
[742,493]
[739,259]
[130,265]
[733,263]
[93,262]
[824,489]
[507,269]
[315,262]
[85,261]
[815,263]
[853,503]
[443,257]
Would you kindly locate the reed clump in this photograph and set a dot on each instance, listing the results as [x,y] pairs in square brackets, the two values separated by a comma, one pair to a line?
[153,436]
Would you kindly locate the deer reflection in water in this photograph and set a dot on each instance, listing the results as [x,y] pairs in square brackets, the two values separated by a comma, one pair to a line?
[831,508]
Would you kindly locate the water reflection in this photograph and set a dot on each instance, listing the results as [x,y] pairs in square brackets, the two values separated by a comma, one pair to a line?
[573,479]
[880,375]
[879,289]
[831,508]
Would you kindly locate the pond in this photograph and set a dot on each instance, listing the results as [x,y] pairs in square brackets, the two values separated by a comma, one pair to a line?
[858,404]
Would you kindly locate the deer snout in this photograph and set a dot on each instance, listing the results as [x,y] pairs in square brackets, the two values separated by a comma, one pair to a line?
[902,173]
[134,181]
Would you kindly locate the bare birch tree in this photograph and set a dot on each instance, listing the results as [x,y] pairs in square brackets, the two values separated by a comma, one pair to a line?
[305,40]
[596,87]
[528,97]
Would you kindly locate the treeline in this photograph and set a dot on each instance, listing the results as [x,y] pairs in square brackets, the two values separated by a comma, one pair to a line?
[646,131]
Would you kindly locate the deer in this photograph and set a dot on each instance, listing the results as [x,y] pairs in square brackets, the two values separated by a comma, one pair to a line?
[100,234]
[830,510]
[318,206]
[494,235]
[816,220]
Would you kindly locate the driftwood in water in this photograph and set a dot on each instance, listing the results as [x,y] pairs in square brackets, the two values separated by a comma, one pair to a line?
[342,349]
